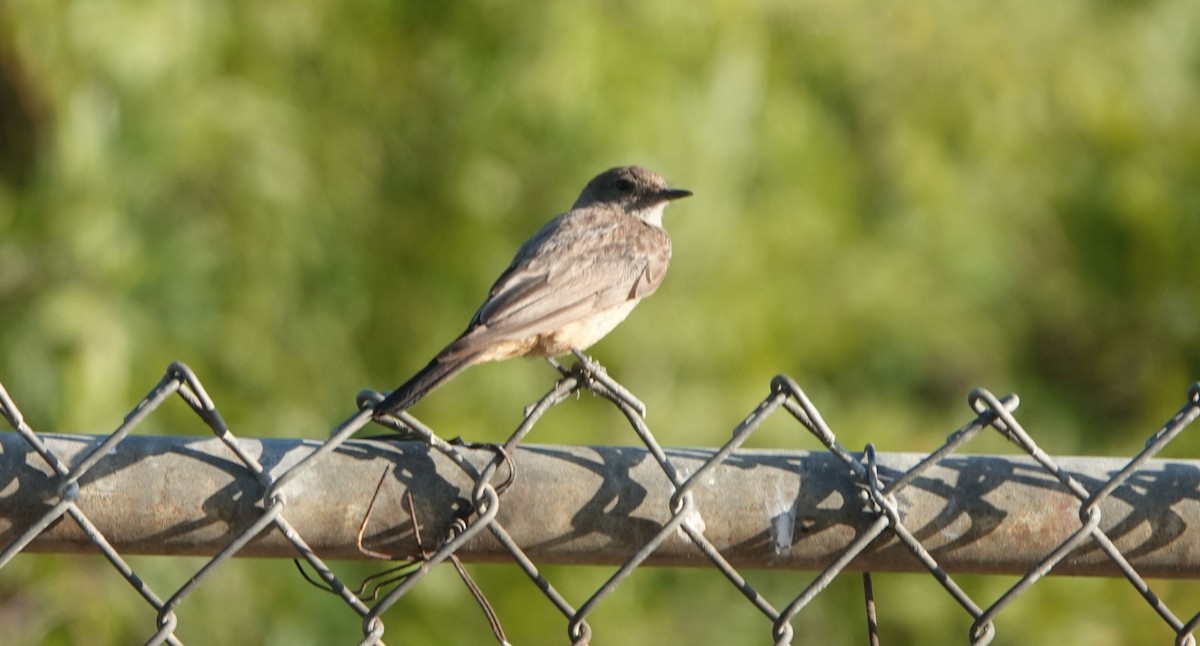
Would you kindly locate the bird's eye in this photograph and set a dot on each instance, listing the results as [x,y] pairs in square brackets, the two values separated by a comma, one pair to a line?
[624,185]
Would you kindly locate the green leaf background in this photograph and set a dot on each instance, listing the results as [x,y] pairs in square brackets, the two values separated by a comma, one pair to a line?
[895,202]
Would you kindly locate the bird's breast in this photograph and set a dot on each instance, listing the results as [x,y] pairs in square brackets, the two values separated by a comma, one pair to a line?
[581,333]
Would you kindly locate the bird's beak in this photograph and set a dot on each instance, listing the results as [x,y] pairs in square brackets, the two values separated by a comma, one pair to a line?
[674,193]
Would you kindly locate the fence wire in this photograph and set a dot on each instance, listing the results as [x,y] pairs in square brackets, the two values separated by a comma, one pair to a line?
[685,517]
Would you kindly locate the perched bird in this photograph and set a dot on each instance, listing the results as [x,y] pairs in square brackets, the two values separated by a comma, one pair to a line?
[569,285]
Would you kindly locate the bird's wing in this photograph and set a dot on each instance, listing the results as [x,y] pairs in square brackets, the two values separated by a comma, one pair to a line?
[578,264]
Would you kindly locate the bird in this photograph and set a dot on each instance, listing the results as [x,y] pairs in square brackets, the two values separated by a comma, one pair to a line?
[568,285]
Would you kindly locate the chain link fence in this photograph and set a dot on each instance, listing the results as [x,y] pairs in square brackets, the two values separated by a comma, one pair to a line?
[724,508]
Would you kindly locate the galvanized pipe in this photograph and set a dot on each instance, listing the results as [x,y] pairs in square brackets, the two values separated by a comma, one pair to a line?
[597,505]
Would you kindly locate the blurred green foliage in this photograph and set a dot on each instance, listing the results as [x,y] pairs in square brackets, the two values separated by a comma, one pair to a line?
[895,202]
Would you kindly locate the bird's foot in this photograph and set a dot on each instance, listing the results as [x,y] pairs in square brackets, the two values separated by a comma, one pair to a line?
[588,366]
[590,372]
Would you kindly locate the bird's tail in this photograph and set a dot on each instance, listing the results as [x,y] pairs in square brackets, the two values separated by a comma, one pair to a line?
[431,376]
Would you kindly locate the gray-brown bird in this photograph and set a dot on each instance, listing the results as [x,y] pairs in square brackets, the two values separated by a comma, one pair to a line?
[569,285]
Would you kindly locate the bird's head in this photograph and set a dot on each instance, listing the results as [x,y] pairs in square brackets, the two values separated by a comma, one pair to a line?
[633,189]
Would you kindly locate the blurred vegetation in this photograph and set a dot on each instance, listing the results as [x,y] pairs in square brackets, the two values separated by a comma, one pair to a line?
[895,202]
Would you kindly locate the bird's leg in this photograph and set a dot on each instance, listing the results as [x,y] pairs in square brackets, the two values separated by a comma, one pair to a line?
[563,370]
[588,366]
[590,370]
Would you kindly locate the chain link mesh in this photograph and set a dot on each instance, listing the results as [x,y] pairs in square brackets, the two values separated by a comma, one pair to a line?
[878,495]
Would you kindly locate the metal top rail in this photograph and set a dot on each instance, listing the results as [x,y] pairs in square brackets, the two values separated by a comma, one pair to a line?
[424,501]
